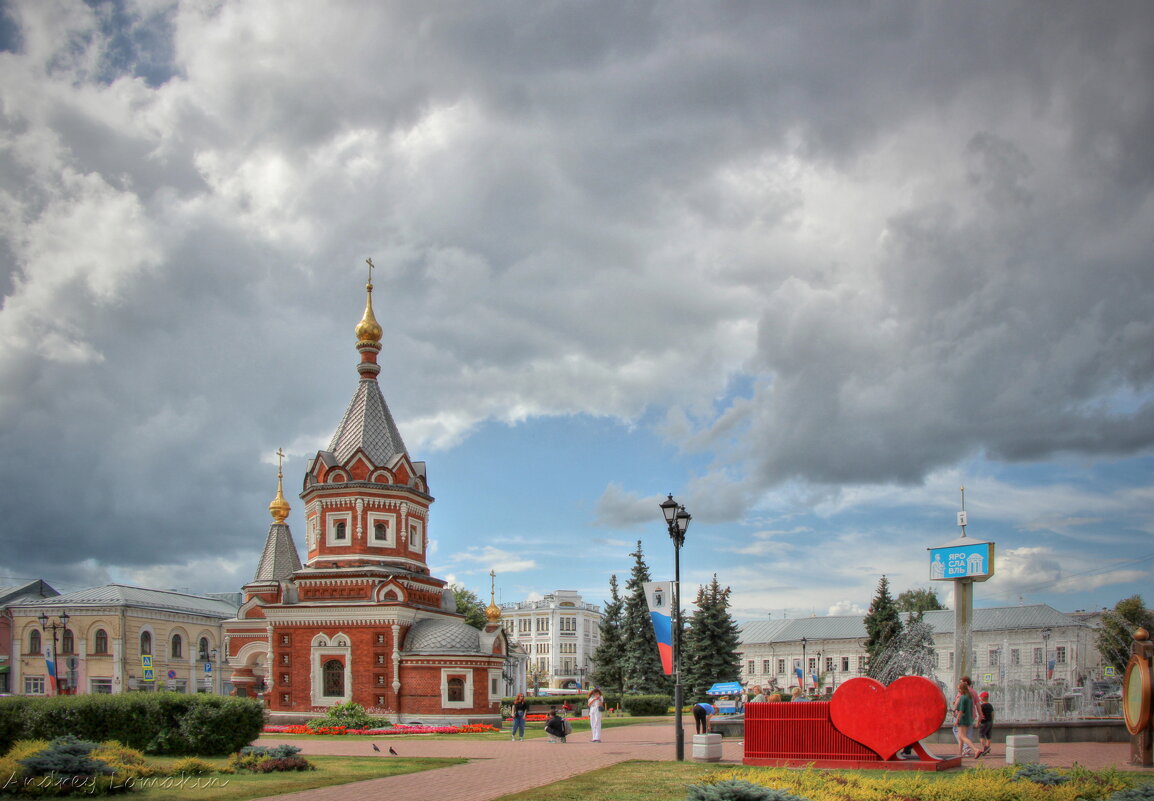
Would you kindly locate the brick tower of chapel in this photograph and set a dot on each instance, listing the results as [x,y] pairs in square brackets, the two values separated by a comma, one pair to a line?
[362,619]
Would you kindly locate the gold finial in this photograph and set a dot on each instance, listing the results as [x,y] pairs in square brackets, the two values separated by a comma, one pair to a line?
[368,329]
[493,612]
[279,508]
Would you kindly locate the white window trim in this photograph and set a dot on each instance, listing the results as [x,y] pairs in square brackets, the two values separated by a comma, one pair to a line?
[319,654]
[417,536]
[331,520]
[389,522]
[446,674]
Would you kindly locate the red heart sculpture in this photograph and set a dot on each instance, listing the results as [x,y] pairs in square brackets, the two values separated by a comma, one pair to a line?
[884,719]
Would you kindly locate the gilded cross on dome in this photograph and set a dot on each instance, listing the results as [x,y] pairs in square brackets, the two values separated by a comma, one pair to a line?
[493,612]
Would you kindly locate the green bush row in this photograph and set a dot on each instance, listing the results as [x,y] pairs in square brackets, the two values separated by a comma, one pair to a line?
[156,723]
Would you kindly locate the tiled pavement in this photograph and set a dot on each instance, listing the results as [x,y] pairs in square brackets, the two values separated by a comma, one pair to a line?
[498,768]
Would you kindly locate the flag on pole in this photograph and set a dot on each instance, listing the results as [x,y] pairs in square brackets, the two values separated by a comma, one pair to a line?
[800,677]
[1050,669]
[659,598]
[50,664]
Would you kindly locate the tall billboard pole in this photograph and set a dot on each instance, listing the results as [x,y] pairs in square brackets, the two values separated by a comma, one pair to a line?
[963,560]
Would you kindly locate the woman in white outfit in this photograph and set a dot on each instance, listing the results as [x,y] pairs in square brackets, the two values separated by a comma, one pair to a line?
[595,702]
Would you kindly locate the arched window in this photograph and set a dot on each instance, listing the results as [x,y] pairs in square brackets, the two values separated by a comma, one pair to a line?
[34,646]
[146,642]
[339,534]
[202,651]
[456,689]
[67,644]
[177,646]
[381,532]
[100,643]
[334,679]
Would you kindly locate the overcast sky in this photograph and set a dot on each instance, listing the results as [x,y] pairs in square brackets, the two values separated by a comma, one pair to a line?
[811,267]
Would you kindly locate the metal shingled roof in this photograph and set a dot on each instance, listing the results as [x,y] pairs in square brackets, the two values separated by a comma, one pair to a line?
[369,425]
[849,627]
[121,595]
[280,558]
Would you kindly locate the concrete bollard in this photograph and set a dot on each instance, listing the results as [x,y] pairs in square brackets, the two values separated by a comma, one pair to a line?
[1021,748]
[707,748]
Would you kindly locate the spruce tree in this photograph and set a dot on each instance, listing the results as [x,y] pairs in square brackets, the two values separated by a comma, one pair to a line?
[641,661]
[883,624]
[710,646]
[608,670]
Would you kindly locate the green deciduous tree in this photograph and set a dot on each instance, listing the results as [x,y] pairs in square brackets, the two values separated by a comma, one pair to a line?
[469,605]
[709,650]
[883,624]
[608,664]
[918,600]
[641,662]
[1118,627]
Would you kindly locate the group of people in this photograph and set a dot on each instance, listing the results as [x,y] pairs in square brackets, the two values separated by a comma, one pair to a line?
[969,708]
[556,726]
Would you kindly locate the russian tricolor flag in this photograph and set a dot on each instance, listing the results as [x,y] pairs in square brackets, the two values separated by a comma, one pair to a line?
[659,597]
[50,663]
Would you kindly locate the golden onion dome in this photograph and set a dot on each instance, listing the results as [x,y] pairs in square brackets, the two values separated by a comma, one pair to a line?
[368,329]
[279,508]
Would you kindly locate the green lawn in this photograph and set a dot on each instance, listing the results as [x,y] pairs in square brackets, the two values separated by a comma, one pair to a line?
[244,786]
[667,781]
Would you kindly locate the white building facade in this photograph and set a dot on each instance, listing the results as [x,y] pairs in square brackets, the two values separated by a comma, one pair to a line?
[559,633]
[1011,645]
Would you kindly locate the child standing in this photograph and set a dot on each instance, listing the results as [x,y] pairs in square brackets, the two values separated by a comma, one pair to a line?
[986,727]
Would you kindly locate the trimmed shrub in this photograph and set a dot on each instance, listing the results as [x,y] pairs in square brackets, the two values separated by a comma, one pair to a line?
[639,705]
[191,766]
[259,759]
[125,762]
[737,790]
[351,715]
[155,723]
[1040,774]
[1141,792]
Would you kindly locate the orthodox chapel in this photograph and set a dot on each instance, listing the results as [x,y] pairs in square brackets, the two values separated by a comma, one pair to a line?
[362,619]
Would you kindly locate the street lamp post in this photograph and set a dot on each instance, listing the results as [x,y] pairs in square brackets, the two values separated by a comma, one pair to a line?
[215,669]
[677,521]
[1046,654]
[804,665]
[52,663]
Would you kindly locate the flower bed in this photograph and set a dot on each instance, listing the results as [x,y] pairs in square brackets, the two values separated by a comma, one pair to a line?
[470,728]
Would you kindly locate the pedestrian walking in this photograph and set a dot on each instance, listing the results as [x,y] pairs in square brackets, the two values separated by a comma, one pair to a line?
[986,727]
[964,718]
[520,710]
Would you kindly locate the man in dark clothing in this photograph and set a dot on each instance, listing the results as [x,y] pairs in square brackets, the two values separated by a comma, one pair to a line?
[555,727]
[986,727]
[702,714]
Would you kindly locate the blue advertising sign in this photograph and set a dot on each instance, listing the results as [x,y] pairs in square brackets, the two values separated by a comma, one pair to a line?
[962,561]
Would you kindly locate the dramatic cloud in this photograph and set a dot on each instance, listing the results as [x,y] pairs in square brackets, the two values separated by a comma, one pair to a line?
[826,257]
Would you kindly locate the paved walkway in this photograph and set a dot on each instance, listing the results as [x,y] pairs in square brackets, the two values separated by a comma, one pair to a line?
[499,768]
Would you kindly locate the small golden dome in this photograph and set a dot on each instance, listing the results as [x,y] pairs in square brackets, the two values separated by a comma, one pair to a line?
[279,508]
[368,329]
[492,611]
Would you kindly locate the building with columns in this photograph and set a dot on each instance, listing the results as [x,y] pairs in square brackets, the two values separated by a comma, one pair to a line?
[115,639]
[559,633]
[362,619]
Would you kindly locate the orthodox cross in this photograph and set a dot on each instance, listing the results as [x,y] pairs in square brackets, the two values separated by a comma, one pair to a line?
[371,266]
